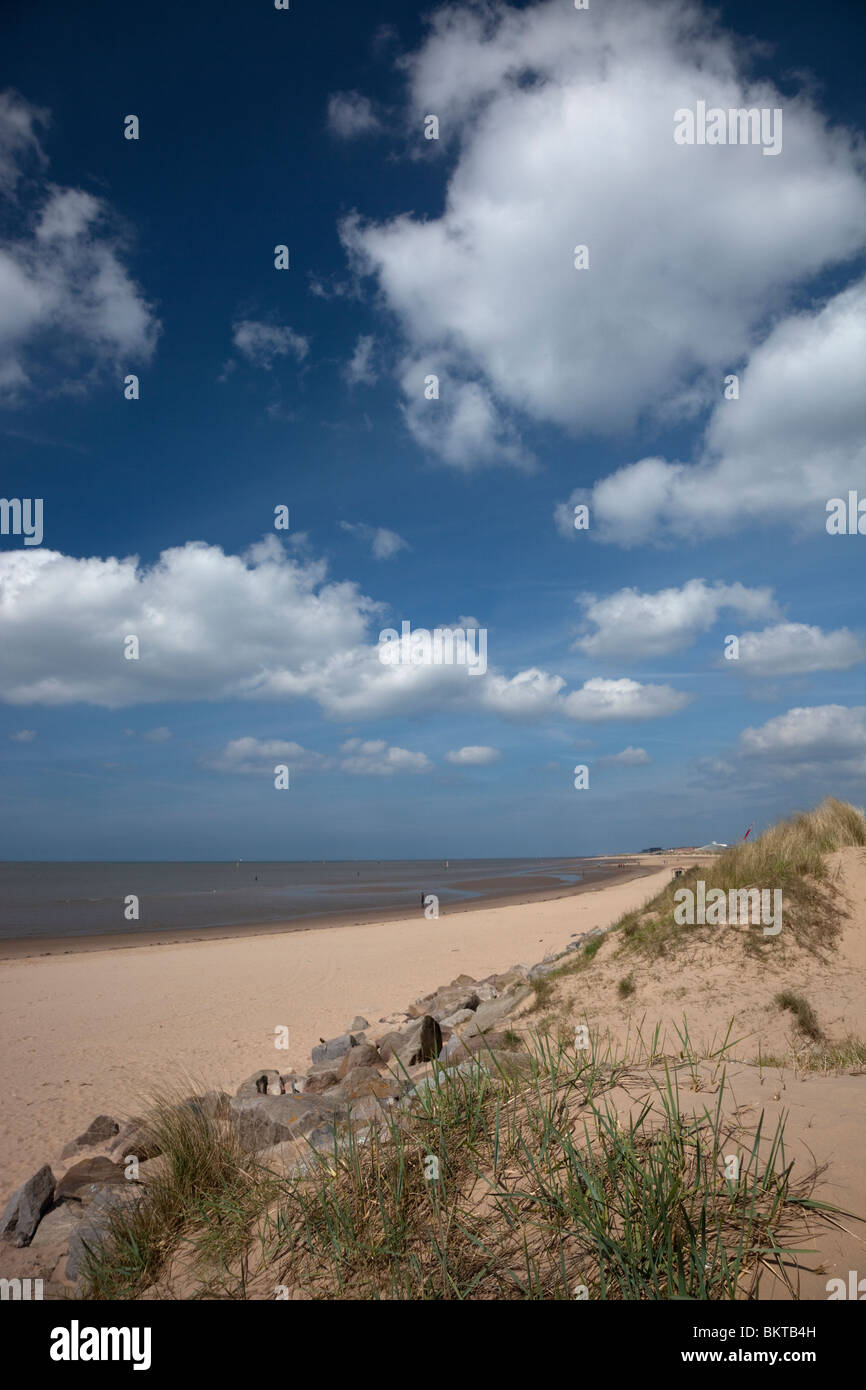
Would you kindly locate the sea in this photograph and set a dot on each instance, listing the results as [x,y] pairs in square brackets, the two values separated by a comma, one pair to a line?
[92,899]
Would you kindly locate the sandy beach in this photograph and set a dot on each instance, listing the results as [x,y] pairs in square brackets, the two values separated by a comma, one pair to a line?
[95,1030]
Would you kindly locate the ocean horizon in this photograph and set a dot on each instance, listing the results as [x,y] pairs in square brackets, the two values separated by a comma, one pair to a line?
[90,897]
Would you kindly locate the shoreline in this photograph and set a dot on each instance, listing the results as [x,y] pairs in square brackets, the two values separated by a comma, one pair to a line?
[27,947]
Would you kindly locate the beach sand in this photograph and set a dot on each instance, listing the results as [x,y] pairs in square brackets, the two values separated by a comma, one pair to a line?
[93,1031]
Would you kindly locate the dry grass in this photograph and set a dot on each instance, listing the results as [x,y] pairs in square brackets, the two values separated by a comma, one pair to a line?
[789,856]
[515,1179]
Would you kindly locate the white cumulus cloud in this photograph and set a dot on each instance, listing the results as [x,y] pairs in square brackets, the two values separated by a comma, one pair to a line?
[474,755]
[375,757]
[559,132]
[630,623]
[794,649]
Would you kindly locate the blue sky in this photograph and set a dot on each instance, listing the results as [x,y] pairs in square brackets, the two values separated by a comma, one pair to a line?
[558,387]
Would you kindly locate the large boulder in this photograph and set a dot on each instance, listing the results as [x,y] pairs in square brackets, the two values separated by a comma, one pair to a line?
[446,1001]
[84,1178]
[91,1231]
[496,1011]
[332,1049]
[461,1016]
[421,1043]
[365,1055]
[395,1042]
[367,1081]
[25,1207]
[266,1082]
[213,1105]
[98,1132]
[58,1225]
[263,1121]
[319,1081]
[135,1141]
[460,1049]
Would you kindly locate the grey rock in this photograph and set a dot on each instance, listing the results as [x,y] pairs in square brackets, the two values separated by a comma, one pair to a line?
[25,1207]
[266,1082]
[396,1042]
[370,1110]
[446,1001]
[538,972]
[58,1225]
[365,1055]
[461,1016]
[424,1045]
[320,1081]
[135,1141]
[263,1121]
[334,1048]
[213,1105]
[88,1174]
[358,1024]
[91,1231]
[488,1015]
[98,1132]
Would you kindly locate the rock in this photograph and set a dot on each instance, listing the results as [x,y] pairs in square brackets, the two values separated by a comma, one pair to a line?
[89,1173]
[335,1048]
[98,1132]
[23,1211]
[392,1043]
[283,1158]
[423,1043]
[358,1024]
[496,1011]
[486,992]
[292,1082]
[266,1082]
[461,1016]
[370,1110]
[262,1121]
[460,1049]
[446,1001]
[320,1081]
[462,980]
[213,1105]
[89,1232]
[135,1141]
[367,1081]
[516,975]
[365,1055]
[58,1225]
[538,972]
[430,1041]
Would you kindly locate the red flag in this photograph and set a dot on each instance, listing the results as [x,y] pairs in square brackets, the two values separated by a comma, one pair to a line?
[748,832]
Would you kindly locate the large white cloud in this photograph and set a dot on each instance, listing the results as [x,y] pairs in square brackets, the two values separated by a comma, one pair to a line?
[210,625]
[795,437]
[629,623]
[817,737]
[795,649]
[558,127]
[64,288]
[264,625]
